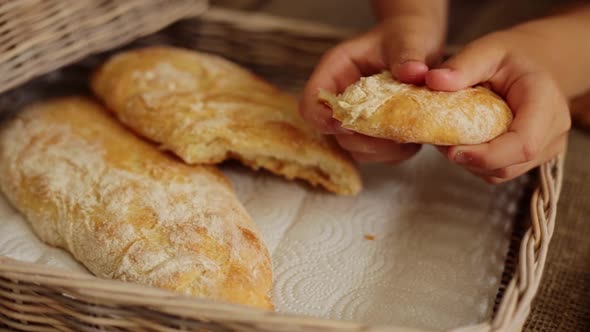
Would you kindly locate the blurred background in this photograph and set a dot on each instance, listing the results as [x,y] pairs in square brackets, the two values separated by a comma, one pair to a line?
[468,19]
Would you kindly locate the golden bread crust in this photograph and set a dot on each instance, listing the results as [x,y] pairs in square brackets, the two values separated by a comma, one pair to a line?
[128,211]
[380,106]
[206,109]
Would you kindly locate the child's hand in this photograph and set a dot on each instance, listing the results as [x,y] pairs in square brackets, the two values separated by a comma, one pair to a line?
[542,120]
[405,45]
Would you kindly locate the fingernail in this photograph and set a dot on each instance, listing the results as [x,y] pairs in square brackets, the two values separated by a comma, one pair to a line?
[462,158]
[344,131]
[411,61]
[441,70]
[336,131]
[336,128]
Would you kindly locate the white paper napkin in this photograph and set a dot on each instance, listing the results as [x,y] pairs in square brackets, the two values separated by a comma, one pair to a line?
[422,246]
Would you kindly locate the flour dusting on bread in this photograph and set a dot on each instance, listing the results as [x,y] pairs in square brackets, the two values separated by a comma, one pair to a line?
[125,210]
[381,106]
[206,109]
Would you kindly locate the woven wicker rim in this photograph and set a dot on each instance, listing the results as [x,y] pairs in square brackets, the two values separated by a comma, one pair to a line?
[30,46]
[28,290]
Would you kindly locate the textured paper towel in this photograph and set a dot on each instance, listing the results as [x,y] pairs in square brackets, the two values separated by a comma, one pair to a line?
[422,246]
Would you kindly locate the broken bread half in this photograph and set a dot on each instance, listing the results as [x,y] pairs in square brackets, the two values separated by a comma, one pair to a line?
[206,109]
[381,106]
[127,211]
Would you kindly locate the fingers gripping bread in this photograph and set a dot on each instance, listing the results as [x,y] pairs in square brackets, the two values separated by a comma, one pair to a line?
[382,107]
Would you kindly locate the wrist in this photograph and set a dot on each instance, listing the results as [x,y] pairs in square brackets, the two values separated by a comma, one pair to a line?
[431,10]
[416,30]
[557,45]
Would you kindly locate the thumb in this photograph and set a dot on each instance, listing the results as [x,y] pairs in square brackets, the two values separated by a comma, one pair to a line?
[476,63]
[410,47]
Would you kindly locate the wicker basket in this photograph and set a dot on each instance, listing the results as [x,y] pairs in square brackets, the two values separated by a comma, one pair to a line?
[37,298]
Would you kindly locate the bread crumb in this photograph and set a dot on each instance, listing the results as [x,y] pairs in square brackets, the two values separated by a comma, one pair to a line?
[369,237]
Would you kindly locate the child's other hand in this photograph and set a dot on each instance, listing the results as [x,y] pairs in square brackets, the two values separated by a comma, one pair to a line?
[541,115]
[405,45]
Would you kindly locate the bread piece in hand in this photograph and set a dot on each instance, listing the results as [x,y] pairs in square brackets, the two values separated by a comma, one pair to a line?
[380,106]
[206,109]
[128,211]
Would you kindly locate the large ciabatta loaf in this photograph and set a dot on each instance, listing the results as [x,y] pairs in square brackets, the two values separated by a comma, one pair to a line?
[128,211]
[206,109]
[380,106]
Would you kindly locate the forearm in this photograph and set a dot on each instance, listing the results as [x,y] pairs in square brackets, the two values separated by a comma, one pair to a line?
[561,45]
[435,10]
[423,19]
